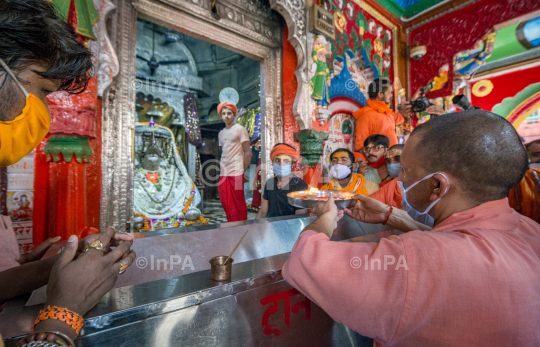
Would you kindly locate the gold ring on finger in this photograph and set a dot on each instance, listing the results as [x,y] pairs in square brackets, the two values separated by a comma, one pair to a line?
[96,244]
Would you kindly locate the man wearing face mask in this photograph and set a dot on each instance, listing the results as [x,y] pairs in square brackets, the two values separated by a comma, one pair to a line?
[390,192]
[40,54]
[473,280]
[343,179]
[375,148]
[275,202]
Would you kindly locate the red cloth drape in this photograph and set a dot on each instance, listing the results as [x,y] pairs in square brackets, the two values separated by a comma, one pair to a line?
[231,195]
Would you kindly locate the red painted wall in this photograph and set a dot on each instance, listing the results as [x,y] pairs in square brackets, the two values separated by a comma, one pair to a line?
[458,31]
[505,86]
[289,91]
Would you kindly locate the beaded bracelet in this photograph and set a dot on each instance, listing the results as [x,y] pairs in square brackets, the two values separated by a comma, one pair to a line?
[62,314]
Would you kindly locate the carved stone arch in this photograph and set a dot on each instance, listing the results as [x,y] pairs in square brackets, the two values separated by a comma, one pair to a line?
[245,27]
[295,15]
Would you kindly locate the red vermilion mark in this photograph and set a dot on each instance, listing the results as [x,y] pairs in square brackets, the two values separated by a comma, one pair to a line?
[273,299]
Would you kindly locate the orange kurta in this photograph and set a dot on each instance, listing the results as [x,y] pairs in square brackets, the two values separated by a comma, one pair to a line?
[376,118]
[474,280]
[356,185]
[528,203]
[389,194]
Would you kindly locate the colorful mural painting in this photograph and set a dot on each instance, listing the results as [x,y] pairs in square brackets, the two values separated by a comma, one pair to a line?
[455,31]
[363,49]
[514,95]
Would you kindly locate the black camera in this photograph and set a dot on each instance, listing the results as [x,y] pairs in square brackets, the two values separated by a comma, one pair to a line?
[420,104]
[462,102]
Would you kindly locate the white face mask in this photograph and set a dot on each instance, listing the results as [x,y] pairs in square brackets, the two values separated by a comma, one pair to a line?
[418,216]
[534,166]
[340,171]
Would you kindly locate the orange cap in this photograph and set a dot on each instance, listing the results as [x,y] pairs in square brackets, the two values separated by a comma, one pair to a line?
[359,155]
[283,149]
[228,105]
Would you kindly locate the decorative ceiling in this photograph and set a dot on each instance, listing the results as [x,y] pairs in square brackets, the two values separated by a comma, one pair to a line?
[407,8]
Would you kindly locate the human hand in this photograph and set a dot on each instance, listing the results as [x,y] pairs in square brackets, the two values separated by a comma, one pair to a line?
[328,216]
[38,252]
[406,111]
[363,168]
[78,284]
[417,94]
[435,109]
[330,208]
[368,210]
[116,240]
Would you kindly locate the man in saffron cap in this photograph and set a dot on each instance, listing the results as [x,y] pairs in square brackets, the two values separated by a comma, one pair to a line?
[235,158]
[275,202]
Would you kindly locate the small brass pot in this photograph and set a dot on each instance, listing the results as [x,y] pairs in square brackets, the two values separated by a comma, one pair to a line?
[219,271]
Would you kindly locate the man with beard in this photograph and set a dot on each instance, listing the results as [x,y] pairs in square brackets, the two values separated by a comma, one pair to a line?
[377,117]
[343,179]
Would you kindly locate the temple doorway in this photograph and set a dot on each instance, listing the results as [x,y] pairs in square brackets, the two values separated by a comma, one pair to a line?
[179,81]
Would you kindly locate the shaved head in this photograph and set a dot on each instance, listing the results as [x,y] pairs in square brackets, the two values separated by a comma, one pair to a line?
[480,149]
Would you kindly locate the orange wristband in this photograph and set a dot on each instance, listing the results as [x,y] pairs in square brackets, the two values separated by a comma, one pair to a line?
[62,314]
[387,218]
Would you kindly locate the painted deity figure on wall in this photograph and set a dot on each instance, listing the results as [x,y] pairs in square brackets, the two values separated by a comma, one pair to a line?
[468,62]
[321,80]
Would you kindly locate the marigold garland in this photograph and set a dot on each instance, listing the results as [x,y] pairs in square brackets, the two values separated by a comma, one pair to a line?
[190,198]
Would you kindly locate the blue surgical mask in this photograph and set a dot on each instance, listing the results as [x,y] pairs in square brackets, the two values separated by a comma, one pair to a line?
[281,171]
[421,217]
[394,169]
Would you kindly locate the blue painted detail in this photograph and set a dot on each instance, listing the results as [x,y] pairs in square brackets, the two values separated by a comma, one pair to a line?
[343,85]
[531,31]
[406,3]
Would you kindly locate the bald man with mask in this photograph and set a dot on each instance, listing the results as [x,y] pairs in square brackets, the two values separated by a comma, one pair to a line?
[472,280]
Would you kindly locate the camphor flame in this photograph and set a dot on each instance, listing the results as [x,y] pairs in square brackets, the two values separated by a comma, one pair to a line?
[311,191]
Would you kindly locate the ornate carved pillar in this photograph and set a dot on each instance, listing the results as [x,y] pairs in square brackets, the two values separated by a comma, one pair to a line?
[311,148]
[311,144]
[62,182]
[67,204]
[296,17]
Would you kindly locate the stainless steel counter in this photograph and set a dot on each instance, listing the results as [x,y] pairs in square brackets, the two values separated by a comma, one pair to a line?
[181,305]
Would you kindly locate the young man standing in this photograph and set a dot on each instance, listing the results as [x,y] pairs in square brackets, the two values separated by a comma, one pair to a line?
[235,159]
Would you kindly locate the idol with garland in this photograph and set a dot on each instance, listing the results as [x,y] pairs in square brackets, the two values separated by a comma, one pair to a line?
[164,194]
